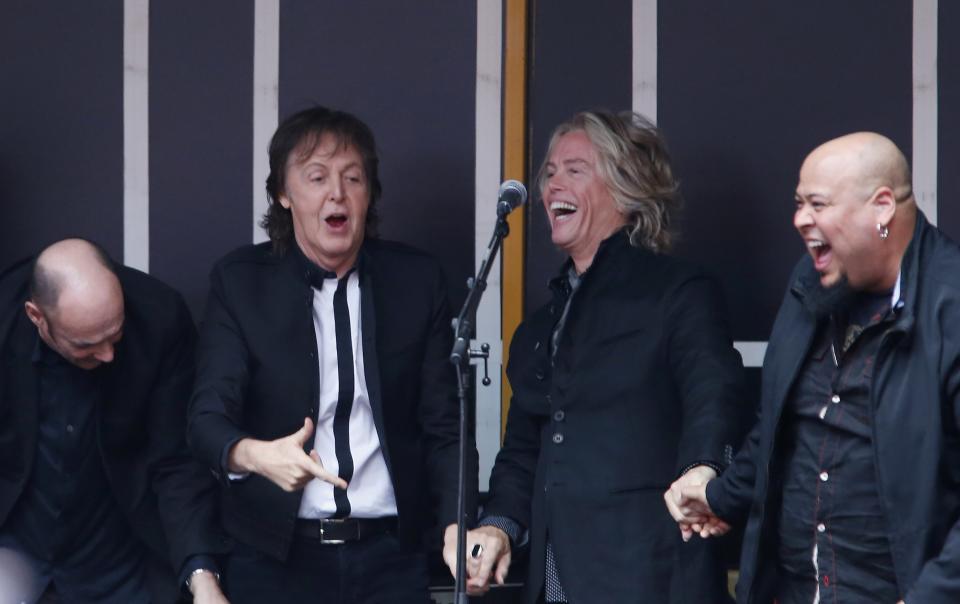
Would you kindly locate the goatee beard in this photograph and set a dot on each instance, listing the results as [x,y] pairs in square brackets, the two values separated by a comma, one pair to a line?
[826,301]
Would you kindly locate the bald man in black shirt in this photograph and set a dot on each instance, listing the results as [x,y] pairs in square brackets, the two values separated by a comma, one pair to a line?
[96,483]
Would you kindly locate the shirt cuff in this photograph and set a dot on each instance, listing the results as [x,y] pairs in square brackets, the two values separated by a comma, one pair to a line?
[225,465]
[511,527]
[716,467]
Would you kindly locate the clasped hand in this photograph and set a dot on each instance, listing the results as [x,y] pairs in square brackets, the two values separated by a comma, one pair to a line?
[686,500]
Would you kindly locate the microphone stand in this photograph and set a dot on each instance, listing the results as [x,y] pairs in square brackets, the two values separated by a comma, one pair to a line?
[460,356]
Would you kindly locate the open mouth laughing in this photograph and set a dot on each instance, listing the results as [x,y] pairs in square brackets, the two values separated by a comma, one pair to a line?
[821,252]
[562,210]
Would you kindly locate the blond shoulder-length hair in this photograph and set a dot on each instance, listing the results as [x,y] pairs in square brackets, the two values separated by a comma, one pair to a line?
[634,163]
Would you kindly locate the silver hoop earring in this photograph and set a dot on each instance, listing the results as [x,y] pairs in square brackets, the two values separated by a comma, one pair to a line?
[884,231]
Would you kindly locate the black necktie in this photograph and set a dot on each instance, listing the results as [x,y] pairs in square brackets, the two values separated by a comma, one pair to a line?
[341,420]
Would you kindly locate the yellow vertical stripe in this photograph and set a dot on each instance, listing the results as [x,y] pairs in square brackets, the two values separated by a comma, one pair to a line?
[514,166]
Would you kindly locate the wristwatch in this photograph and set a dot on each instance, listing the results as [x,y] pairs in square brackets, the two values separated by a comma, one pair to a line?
[189,580]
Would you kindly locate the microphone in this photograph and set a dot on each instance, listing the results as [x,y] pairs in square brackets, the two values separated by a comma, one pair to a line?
[512,194]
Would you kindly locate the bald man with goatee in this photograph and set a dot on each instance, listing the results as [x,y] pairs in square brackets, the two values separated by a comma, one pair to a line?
[100,501]
[849,484]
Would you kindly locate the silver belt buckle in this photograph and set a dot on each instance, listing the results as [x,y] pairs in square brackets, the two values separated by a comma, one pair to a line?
[326,541]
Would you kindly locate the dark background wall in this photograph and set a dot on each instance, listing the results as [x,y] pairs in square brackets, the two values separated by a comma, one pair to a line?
[409,70]
[579,60]
[61,124]
[948,62]
[741,117]
[201,138]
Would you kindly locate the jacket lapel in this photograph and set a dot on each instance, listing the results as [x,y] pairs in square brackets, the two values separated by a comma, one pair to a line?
[802,327]
[371,365]
[297,299]
[789,366]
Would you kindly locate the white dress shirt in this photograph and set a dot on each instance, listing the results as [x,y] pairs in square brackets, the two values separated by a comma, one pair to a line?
[370,491]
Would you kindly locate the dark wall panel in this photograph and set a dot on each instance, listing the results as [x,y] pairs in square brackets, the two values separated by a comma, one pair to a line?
[61,132]
[948,111]
[201,137]
[409,71]
[581,60]
[745,91]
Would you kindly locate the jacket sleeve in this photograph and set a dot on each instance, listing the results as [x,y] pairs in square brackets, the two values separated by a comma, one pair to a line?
[731,494]
[707,371]
[439,415]
[222,377]
[511,481]
[185,491]
[512,478]
[939,579]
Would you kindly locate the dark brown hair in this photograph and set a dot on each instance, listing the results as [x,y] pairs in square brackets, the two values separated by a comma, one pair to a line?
[301,133]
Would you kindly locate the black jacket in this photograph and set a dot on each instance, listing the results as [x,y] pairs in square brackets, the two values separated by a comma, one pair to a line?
[645,383]
[258,377]
[916,429]
[167,497]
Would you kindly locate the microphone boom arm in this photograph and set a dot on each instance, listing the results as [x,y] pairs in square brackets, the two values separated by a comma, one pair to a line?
[463,324]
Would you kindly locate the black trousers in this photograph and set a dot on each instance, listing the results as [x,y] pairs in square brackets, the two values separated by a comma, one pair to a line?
[375,570]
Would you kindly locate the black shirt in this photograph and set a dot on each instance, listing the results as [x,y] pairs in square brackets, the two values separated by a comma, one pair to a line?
[832,533]
[66,504]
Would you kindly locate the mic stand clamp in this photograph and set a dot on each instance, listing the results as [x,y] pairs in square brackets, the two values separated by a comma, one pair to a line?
[460,356]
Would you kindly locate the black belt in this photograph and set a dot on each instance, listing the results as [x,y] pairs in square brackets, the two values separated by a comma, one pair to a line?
[342,530]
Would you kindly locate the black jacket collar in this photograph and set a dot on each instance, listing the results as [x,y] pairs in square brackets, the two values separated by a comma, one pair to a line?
[313,274]
[560,284]
[617,241]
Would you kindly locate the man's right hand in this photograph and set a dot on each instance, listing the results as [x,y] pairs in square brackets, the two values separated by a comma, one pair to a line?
[493,556]
[686,500]
[282,461]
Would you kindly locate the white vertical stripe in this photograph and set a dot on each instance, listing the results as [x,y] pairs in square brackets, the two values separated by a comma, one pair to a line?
[645,58]
[136,130]
[752,352]
[816,568]
[487,176]
[266,77]
[925,106]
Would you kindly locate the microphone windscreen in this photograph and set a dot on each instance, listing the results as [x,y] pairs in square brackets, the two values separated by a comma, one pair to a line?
[513,192]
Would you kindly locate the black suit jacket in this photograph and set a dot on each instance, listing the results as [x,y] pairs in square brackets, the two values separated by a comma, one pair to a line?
[167,497]
[645,383]
[258,377]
